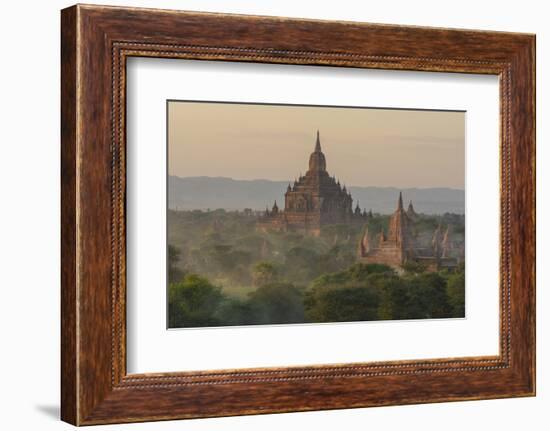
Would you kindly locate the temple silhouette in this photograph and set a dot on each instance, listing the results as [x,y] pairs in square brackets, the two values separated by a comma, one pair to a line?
[314,200]
[400,247]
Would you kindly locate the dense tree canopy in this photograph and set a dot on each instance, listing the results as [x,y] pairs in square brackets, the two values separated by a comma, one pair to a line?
[223,272]
[193,302]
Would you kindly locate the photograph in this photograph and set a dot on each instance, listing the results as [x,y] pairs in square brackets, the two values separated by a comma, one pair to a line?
[283,214]
[275,215]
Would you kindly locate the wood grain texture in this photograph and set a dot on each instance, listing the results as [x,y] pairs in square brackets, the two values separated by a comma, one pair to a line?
[96,41]
[69,397]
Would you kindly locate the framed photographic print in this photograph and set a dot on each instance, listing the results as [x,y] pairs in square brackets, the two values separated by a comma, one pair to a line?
[267,215]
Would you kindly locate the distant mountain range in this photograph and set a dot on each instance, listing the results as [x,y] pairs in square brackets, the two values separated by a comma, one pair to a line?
[190,193]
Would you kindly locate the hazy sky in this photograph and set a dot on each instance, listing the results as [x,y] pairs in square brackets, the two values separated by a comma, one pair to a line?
[363,147]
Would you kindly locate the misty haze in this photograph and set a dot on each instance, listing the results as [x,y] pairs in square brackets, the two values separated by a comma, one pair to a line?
[288,214]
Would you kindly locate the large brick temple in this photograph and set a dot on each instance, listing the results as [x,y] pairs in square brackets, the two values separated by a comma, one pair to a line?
[314,200]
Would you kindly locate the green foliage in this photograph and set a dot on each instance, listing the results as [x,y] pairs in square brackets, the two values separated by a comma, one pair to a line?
[301,263]
[224,257]
[337,258]
[394,298]
[352,294]
[193,302]
[346,304]
[277,303]
[175,274]
[356,273]
[249,277]
[263,273]
[456,293]
[414,268]
[428,297]
[233,311]
[360,270]
[173,255]
[390,297]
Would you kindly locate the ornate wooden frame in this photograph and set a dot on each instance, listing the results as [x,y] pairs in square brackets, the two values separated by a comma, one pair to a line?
[95,42]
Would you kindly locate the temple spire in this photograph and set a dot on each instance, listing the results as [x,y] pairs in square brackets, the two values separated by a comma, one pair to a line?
[400,202]
[411,213]
[318,143]
[317,161]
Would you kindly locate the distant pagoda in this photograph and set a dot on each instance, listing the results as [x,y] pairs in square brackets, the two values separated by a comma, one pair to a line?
[411,213]
[400,247]
[316,199]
